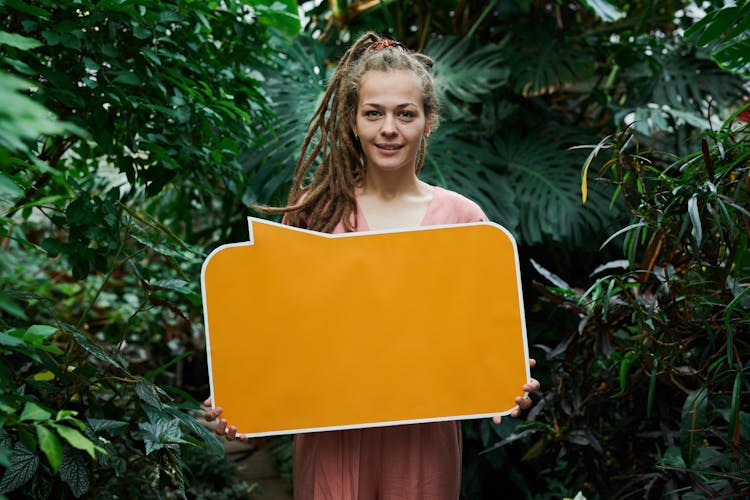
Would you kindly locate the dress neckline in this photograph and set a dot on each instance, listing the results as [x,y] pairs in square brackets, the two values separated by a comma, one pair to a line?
[362,224]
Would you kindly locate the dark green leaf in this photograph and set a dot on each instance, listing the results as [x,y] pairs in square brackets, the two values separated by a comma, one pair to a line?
[111,427]
[127,77]
[28,9]
[11,306]
[147,394]
[74,471]
[734,419]
[23,466]
[161,434]
[718,24]
[93,349]
[735,57]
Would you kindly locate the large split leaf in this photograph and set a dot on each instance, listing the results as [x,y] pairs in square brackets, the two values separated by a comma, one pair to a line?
[546,182]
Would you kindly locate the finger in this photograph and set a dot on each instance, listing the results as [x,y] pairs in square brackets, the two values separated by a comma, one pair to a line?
[516,411]
[212,415]
[221,428]
[532,385]
[523,403]
[232,433]
[207,402]
[532,363]
[497,419]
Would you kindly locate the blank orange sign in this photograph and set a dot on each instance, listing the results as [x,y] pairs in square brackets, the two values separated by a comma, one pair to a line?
[309,331]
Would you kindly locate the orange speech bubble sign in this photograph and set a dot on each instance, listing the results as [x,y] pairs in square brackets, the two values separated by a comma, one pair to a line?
[309,331]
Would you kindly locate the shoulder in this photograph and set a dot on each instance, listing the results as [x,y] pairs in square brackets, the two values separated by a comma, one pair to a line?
[449,207]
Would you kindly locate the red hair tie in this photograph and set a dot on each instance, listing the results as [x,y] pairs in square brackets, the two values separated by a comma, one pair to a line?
[384,42]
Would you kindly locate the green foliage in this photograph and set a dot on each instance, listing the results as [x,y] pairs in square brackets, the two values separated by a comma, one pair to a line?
[663,329]
[727,31]
[109,110]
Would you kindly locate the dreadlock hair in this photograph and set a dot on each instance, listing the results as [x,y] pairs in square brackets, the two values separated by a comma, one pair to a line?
[330,196]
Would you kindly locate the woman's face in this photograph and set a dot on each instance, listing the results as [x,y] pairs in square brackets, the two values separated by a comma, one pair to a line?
[390,119]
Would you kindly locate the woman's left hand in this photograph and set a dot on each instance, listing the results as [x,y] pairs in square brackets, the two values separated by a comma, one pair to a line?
[523,403]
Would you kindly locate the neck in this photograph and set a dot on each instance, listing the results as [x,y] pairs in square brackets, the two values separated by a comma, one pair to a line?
[389,185]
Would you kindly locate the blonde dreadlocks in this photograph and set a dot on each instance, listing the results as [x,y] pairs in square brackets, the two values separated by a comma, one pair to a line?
[330,195]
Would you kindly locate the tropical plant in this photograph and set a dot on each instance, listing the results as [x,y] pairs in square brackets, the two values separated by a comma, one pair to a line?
[109,109]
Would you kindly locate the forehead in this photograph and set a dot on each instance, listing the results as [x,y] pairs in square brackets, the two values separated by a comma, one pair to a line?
[386,87]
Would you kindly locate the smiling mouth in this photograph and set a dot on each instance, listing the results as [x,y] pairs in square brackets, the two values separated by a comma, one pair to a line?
[389,147]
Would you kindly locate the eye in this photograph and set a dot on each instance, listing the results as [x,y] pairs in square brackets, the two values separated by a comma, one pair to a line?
[371,113]
[408,115]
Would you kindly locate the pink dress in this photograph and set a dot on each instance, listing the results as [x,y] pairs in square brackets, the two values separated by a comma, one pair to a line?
[409,462]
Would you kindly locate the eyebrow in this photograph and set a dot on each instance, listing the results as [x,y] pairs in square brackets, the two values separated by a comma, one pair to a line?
[398,106]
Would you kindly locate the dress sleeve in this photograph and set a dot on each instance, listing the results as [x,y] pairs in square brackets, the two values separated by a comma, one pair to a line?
[452,208]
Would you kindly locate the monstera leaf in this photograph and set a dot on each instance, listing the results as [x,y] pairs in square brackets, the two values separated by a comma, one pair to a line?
[465,71]
[457,163]
[672,88]
[547,182]
[542,61]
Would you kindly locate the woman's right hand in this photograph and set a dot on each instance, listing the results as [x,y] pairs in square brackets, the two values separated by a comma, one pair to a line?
[221,427]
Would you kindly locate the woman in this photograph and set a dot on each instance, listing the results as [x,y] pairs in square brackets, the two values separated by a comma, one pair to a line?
[371,129]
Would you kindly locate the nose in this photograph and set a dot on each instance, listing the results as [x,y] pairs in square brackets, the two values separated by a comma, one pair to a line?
[388,125]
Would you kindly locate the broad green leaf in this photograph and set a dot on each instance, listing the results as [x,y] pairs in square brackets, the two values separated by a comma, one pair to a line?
[37,333]
[694,416]
[163,433]
[608,12]
[455,162]
[280,14]
[718,24]
[77,440]
[546,183]
[18,41]
[11,340]
[50,444]
[464,71]
[127,77]
[542,60]
[23,466]
[34,412]
[74,472]
[734,57]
